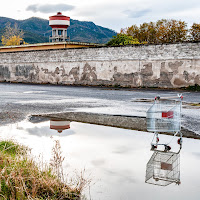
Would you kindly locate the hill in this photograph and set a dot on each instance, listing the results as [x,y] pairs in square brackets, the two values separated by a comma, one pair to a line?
[37,30]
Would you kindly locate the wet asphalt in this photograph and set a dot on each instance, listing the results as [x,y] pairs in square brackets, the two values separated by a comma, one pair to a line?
[18,101]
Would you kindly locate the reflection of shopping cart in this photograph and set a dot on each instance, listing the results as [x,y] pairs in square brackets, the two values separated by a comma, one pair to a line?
[163,168]
[164,115]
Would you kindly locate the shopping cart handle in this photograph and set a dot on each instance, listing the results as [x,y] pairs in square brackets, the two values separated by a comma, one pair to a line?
[172,97]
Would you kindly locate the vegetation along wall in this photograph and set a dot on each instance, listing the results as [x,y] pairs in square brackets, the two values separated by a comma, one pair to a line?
[165,65]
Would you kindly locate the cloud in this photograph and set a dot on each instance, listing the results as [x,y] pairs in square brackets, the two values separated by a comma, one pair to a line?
[87,13]
[196,154]
[47,132]
[98,162]
[123,176]
[136,14]
[49,8]
[122,150]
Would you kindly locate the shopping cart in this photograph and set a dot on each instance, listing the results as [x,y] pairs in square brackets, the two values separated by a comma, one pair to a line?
[163,168]
[164,116]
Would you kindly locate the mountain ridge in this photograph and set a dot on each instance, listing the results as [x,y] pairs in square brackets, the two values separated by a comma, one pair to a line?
[37,30]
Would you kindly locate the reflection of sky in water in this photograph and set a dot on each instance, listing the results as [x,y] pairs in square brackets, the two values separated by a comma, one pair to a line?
[115,158]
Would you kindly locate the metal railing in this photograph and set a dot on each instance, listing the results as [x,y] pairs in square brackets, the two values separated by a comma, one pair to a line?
[58,37]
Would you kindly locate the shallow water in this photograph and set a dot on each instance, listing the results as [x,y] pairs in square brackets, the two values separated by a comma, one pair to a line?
[115,159]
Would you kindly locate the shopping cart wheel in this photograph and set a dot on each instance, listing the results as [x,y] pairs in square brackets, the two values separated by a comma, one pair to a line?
[179,141]
[153,147]
[167,148]
[156,179]
[178,182]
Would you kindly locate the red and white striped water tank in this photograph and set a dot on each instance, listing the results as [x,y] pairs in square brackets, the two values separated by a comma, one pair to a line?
[59,125]
[59,21]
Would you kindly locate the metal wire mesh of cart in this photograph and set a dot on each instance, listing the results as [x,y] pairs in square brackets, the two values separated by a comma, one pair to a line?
[163,168]
[164,116]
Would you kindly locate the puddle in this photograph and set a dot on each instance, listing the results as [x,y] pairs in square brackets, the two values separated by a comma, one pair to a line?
[115,158]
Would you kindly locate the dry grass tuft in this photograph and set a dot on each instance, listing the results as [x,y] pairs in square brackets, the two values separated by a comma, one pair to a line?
[21,178]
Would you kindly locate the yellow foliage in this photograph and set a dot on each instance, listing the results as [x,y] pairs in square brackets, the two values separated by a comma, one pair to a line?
[12,41]
[12,36]
[195,32]
[162,31]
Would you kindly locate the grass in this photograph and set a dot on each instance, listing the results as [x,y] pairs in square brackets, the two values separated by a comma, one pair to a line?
[21,178]
[195,104]
[9,147]
[195,87]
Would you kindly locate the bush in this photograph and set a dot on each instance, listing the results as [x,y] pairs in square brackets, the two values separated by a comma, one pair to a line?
[122,39]
[195,87]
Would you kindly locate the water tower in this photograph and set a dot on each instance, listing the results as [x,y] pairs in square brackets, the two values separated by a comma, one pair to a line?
[59,24]
[59,125]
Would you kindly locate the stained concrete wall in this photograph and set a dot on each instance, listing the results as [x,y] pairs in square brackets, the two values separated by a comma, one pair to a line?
[167,65]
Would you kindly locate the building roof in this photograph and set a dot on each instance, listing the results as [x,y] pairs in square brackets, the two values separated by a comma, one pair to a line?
[48,45]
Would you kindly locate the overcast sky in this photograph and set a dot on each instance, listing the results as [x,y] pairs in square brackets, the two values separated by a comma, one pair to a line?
[114,14]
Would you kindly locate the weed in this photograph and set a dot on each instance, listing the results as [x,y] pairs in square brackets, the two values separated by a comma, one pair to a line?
[57,160]
[79,181]
[21,178]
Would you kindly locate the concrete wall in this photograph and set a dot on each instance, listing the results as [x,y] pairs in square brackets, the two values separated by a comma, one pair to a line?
[167,65]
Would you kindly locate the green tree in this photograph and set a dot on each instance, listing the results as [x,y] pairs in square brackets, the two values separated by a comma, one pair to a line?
[122,39]
[195,32]
[12,35]
[162,31]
